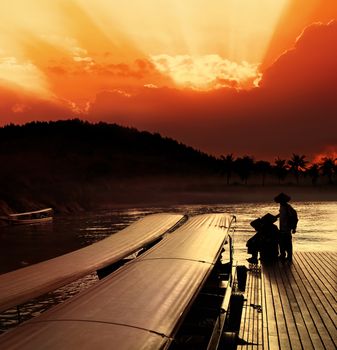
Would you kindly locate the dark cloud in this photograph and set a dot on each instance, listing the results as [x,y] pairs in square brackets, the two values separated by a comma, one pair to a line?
[309,65]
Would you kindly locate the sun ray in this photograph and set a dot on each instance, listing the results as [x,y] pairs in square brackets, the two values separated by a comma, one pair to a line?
[237,32]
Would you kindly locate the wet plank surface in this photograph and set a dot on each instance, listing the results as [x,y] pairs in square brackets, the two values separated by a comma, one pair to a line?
[298,304]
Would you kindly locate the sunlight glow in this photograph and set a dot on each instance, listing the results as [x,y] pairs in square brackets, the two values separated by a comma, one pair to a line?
[225,40]
[23,74]
[207,72]
[196,43]
[238,30]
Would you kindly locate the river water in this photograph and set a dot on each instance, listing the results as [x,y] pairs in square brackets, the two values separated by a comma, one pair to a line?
[24,245]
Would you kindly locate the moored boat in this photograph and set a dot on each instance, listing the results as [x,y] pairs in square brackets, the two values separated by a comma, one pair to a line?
[30,217]
[176,295]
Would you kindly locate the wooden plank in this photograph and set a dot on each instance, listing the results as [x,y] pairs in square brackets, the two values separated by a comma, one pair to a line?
[21,285]
[326,310]
[322,278]
[251,320]
[298,305]
[259,313]
[329,271]
[302,319]
[243,332]
[252,335]
[331,254]
[312,318]
[325,258]
[292,331]
[265,344]
[321,286]
[245,327]
[273,336]
[328,267]
[256,309]
[327,277]
[279,313]
[316,310]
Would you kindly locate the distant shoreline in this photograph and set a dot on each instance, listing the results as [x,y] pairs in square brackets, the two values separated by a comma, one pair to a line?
[73,166]
[136,194]
[232,194]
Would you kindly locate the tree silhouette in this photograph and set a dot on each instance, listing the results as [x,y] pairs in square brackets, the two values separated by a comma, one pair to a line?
[228,164]
[297,165]
[68,152]
[263,167]
[280,169]
[243,167]
[329,168]
[313,172]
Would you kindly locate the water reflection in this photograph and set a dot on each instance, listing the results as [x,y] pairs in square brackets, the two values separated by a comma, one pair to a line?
[28,244]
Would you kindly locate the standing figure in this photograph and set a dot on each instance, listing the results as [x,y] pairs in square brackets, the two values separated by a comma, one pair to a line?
[288,224]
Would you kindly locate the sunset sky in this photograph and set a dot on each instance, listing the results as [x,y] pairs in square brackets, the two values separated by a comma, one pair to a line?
[256,77]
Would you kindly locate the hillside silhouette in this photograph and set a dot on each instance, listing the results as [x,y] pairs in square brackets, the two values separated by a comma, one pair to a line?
[73,164]
[63,160]
[82,150]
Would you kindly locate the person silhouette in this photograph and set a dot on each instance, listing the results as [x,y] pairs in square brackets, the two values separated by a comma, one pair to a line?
[269,239]
[288,223]
[253,244]
[265,240]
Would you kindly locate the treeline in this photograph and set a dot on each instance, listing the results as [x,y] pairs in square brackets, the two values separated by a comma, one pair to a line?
[73,165]
[73,161]
[296,170]
[75,150]
[87,151]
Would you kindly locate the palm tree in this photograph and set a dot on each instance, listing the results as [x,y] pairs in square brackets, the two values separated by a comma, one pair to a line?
[329,168]
[228,162]
[297,165]
[280,168]
[263,167]
[244,167]
[313,172]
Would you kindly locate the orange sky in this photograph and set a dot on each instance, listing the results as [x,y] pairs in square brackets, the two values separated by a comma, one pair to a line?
[222,76]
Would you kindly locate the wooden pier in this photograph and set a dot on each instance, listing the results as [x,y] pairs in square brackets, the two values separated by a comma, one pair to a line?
[291,305]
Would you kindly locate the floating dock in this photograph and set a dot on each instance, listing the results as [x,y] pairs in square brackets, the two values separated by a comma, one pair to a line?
[291,306]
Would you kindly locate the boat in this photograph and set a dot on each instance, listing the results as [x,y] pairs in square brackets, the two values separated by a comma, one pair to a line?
[16,287]
[30,217]
[176,295]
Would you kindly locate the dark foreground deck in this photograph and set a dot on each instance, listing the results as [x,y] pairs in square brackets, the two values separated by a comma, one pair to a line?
[291,306]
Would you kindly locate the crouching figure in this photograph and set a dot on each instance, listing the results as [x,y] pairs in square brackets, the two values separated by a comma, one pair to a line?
[265,240]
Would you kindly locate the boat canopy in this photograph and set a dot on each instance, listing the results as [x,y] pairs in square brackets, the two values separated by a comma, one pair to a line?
[21,285]
[47,210]
[138,306]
